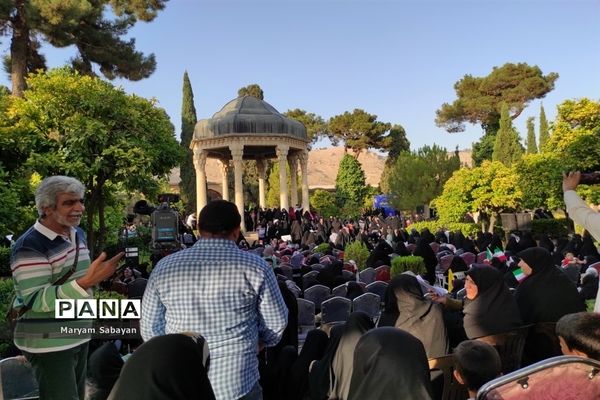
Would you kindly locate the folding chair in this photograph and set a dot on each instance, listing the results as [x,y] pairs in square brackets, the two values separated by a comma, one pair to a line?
[367,275]
[317,294]
[306,318]
[563,377]
[481,257]
[378,288]
[335,309]
[309,278]
[341,290]
[369,303]
[469,258]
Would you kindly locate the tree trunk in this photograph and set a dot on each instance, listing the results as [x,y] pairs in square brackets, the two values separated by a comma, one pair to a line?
[18,49]
[492,223]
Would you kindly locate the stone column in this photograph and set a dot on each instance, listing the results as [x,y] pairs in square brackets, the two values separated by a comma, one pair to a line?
[237,153]
[199,165]
[293,161]
[304,167]
[282,152]
[225,186]
[261,166]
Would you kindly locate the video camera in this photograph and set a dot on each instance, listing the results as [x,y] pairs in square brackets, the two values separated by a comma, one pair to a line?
[165,222]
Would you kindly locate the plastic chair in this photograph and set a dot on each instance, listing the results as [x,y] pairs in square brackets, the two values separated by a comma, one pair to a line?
[287,270]
[335,309]
[317,294]
[510,347]
[367,275]
[17,379]
[469,258]
[445,262]
[382,273]
[378,288]
[306,318]
[452,389]
[341,290]
[308,278]
[368,303]
[563,377]
[347,275]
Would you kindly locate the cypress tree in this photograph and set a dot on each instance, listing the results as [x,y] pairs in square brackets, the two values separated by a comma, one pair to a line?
[350,183]
[531,145]
[507,148]
[544,134]
[188,121]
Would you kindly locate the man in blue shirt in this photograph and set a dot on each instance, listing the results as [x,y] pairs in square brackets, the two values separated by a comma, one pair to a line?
[227,295]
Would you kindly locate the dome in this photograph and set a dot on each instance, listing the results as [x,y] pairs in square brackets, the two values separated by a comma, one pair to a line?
[249,115]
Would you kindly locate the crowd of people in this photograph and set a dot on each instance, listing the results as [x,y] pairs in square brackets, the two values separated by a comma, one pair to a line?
[220,319]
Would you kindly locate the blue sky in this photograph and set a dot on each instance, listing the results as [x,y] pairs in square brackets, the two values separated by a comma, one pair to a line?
[396,59]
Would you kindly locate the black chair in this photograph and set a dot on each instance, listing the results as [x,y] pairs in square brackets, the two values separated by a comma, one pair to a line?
[341,290]
[452,389]
[378,288]
[510,347]
[541,343]
[335,309]
[369,303]
[317,294]
[309,279]
[367,275]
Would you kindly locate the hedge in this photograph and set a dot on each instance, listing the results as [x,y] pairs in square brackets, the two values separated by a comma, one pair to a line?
[358,252]
[414,264]
[552,227]
[433,226]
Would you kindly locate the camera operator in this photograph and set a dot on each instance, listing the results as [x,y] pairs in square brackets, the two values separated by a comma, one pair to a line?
[581,213]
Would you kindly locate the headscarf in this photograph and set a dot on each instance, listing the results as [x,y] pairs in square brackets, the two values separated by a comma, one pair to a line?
[547,294]
[330,377]
[389,364]
[588,248]
[546,243]
[104,367]
[313,349]
[458,264]
[168,367]
[494,310]
[416,315]
[425,251]
[381,252]
[589,284]
[354,290]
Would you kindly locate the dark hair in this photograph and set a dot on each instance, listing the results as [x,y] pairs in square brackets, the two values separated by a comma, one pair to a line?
[477,363]
[581,331]
[219,217]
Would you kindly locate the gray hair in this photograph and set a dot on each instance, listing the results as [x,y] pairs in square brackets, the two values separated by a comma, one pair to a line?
[51,187]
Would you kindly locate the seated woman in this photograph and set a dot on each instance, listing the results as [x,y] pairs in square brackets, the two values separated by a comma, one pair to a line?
[547,294]
[330,377]
[389,364]
[166,367]
[489,307]
[407,309]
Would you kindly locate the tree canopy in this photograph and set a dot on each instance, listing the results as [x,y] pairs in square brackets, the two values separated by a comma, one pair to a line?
[479,99]
[396,143]
[507,147]
[531,144]
[96,29]
[86,128]
[359,131]
[316,127]
[252,90]
[186,168]
[350,183]
[544,130]
[416,178]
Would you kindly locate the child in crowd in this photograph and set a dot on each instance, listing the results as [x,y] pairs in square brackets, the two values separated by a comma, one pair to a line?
[579,334]
[477,363]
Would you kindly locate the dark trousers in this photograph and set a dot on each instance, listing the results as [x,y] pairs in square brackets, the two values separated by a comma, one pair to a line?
[60,374]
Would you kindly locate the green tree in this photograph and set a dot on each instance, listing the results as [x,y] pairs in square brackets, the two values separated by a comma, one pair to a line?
[544,132]
[488,190]
[186,168]
[99,39]
[418,177]
[531,145]
[507,148]
[272,196]
[359,131]
[576,134]
[324,203]
[396,143]
[483,149]
[87,128]
[540,180]
[316,127]
[350,183]
[252,90]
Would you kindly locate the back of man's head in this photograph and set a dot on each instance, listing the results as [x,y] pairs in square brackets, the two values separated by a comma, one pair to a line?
[219,217]
[477,363]
[580,333]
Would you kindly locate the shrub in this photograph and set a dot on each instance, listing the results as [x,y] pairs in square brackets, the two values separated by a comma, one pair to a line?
[6,295]
[552,227]
[358,252]
[5,261]
[433,226]
[414,264]
[322,248]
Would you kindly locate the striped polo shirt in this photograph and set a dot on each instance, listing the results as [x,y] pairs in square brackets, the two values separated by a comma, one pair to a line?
[39,258]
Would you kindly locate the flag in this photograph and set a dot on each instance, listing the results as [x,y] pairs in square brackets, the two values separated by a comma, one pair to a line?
[499,254]
[450,280]
[488,254]
[519,275]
